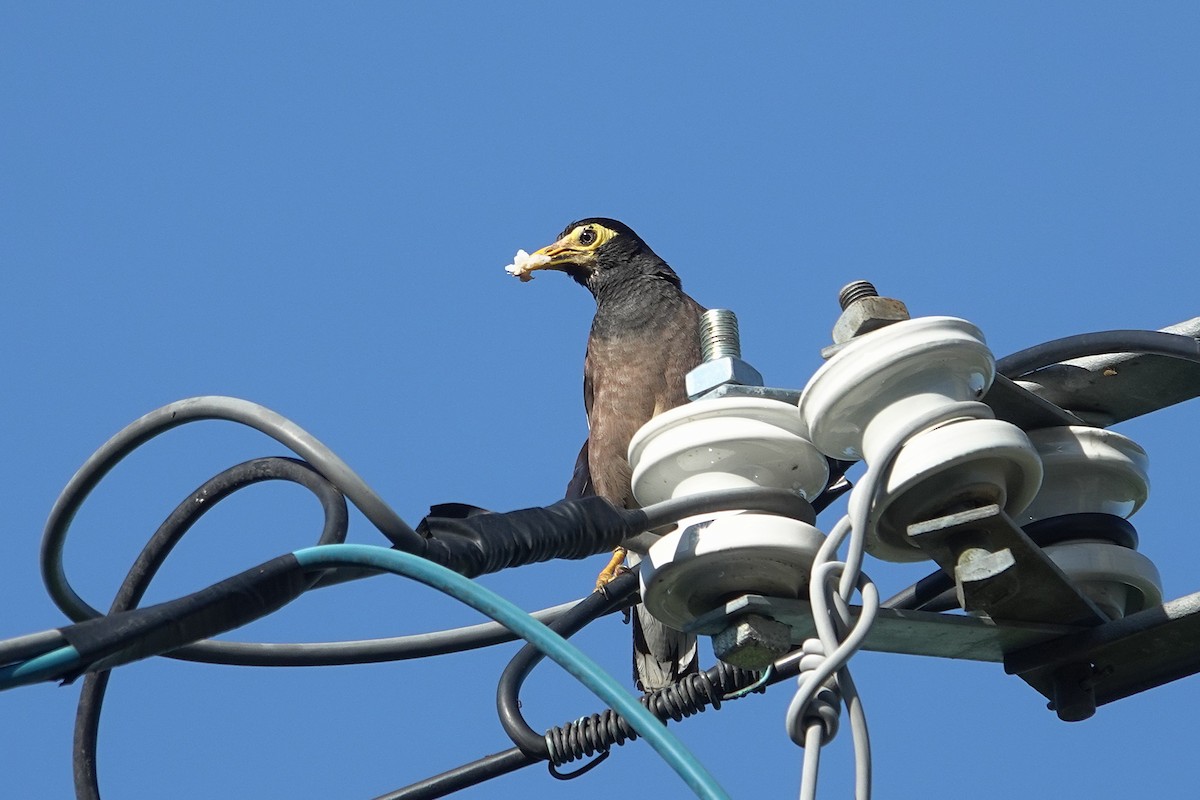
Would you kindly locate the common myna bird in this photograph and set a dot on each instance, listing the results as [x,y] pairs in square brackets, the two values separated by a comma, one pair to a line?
[644,340]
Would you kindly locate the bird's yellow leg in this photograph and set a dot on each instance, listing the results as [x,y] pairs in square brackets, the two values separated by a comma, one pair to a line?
[610,572]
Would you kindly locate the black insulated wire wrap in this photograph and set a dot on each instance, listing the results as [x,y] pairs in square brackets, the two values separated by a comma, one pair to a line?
[474,542]
[502,763]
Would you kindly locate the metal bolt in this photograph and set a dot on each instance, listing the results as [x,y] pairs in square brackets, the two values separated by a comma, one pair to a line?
[721,347]
[856,290]
[863,311]
[1074,692]
[985,578]
[719,335]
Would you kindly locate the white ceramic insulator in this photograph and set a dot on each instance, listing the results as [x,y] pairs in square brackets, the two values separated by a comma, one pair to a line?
[725,443]
[698,567]
[728,442]
[1118,580]
[1091,470]
[1088,470]
[893,374]
[986,460]
[882,382]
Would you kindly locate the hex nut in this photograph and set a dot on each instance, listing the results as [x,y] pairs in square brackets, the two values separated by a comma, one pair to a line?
[868,314]
[752,641]
[708,375]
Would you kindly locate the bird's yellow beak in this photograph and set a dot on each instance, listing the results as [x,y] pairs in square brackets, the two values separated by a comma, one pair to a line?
[574,253]
[561,253]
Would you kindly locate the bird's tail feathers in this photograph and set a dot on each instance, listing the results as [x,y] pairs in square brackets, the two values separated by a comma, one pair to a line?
[661,655]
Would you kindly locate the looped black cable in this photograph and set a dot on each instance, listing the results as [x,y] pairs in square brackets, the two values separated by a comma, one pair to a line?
[619,592]
[133,588]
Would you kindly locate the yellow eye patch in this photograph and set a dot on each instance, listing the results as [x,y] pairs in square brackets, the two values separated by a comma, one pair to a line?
[590,236]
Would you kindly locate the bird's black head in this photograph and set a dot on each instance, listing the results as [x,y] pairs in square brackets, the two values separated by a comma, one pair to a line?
[603,254]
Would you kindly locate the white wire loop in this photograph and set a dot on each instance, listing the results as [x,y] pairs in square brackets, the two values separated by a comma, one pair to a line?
[839,634]
[824,705]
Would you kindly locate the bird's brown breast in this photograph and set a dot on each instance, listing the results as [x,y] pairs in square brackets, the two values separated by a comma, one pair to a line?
[630,376]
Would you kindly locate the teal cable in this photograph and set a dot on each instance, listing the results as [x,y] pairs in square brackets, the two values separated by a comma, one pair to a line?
[45,667]
[569,657]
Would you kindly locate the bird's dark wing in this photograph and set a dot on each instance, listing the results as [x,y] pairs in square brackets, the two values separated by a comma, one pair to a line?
[588,393]
[580,484]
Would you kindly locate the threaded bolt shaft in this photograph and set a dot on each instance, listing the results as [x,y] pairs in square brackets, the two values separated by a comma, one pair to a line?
[855,290]
[719,334]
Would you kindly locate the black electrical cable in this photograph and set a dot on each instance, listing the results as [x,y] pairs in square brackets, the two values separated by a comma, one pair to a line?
[133,588]
[920,594]
[475,542]
[364,651]
[618,593]
[496,542]
[603,730]
[692,694]
[596,733]
[450,781]
[1157,343]
[1086,525]
[780,502]
[21,648]
[836,486]
[471,554]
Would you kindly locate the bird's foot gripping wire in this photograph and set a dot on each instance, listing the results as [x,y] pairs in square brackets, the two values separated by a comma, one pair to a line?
[613,569]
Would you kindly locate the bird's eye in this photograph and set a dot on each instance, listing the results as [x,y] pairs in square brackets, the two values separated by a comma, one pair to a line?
[587,237]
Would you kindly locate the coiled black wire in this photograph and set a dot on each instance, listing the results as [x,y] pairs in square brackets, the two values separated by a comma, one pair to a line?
[688,697]
[719,684]
[133,588]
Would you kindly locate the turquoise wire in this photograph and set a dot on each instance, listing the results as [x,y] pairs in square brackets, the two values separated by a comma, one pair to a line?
[569,657]
[45,667]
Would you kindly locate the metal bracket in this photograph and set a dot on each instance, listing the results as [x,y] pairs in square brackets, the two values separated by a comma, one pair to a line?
[1126,656]
[1075,668]
[918,633]
[999,571]
[1105,390]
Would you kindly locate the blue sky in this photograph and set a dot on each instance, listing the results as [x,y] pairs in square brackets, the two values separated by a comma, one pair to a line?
[310,206]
